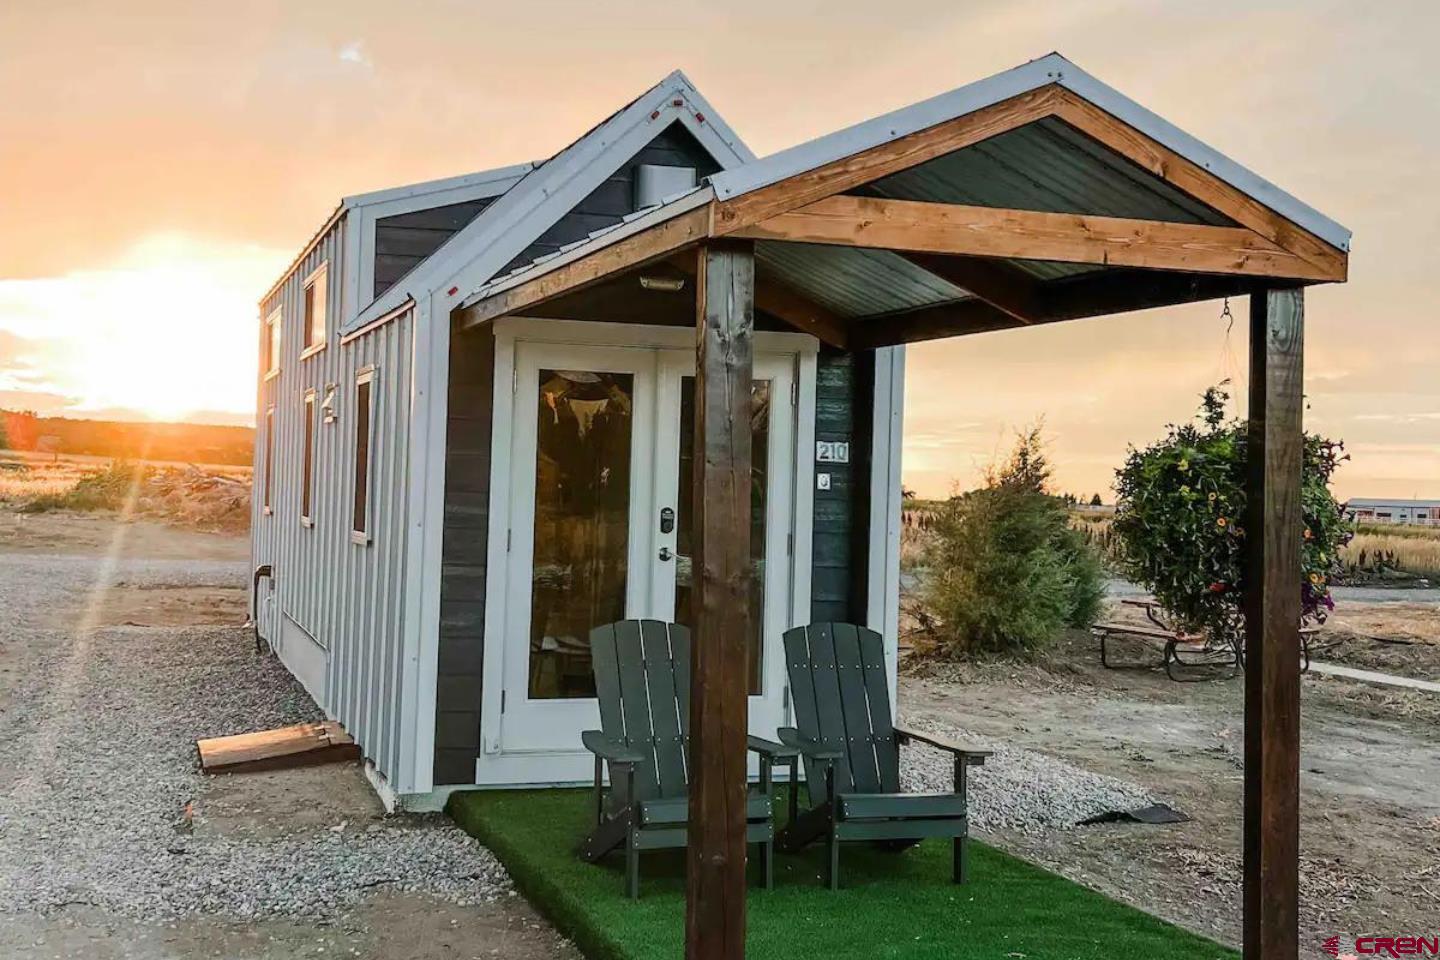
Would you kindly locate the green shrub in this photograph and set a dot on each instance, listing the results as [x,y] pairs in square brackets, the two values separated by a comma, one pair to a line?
[1005,571]
[1180,521]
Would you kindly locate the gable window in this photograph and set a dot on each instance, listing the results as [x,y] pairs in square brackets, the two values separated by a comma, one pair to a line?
[307,465]
[269,460]
[364,444]
[271,364]
[316,294]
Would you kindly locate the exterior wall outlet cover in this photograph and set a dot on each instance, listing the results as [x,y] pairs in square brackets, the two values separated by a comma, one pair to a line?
[822,481]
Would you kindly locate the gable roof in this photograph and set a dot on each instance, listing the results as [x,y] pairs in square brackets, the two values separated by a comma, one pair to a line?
[551,188]
[1040,183]
[485,183]
[1050,69]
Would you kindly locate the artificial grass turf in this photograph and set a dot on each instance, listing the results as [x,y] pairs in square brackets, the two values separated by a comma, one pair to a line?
[889,904]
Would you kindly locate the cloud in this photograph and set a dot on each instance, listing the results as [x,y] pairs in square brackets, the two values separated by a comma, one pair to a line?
[43,402]
[354,52]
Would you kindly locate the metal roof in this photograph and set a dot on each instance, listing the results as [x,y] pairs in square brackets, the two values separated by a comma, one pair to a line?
[853,282]
[1050,69]
[470,258]
[1046,165]
[1384,502]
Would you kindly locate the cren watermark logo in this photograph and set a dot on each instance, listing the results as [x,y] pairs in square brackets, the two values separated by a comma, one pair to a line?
[1371,946]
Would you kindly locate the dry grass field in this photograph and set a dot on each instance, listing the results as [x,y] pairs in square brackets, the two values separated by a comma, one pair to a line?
[204,497]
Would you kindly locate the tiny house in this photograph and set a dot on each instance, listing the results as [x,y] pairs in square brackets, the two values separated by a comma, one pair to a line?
[445,514]
[478,397]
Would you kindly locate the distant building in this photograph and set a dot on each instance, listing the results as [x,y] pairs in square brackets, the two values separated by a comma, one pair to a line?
[1365,510]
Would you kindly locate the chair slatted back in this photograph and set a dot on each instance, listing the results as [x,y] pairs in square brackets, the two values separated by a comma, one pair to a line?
[842,701]
[642,681]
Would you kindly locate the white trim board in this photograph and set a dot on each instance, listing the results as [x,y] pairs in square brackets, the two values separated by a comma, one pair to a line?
[1371,676]
[882,598]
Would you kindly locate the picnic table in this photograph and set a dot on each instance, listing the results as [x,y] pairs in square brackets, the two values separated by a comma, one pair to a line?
[1186,656]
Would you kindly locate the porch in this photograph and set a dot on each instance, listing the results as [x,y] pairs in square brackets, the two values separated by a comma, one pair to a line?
[1036,196]
[900,905]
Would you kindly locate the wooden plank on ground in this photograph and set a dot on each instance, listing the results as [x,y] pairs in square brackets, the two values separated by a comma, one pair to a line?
[301,745]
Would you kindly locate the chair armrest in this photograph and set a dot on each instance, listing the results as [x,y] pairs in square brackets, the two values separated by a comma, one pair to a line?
[597,743]
[771,749]
[792,738]
[970,755]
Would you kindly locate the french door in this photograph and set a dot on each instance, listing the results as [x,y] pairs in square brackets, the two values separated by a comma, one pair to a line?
[601,529]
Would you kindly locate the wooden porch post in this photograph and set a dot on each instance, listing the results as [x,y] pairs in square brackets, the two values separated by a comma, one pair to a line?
[715,866]
[1272,619]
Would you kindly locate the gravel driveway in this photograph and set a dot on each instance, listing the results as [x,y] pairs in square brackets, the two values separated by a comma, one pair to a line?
[104,815]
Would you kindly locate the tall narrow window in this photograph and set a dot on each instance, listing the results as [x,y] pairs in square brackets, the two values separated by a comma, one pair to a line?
[316,289]
[269,460]
[271,365]
[307,467]
[360,521]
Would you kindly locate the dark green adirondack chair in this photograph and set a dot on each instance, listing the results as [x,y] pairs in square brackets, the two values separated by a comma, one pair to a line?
[851,751]
[642,680]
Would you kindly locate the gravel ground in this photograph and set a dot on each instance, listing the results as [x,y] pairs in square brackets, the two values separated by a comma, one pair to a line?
[1016,789]
[101,724]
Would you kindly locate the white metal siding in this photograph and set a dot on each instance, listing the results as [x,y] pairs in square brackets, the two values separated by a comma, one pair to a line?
[347,596]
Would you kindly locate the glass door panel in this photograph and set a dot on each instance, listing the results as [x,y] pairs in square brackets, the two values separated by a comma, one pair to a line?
[578,549]
[759,507]
[580,573]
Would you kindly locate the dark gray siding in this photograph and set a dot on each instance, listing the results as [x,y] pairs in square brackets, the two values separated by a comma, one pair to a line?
[615,198]
[405,239]
[844,401]
[463,549]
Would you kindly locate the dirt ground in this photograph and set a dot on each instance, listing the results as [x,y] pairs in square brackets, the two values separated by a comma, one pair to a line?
[1370,836]
[387,924]
[69,533]
[1371,781]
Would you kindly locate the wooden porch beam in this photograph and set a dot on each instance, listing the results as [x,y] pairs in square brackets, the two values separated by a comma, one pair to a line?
[1004,287]
[1115,291]
[852,171]
[961,230]
[1272,623]
[661,240]
[784,303]
[1199,183]
[715,856]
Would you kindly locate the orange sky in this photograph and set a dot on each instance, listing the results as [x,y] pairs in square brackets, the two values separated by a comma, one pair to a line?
[161,162]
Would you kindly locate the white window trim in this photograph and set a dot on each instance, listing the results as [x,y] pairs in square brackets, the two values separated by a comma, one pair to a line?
[320,273]
[311,412]
[274,349]
[366,537]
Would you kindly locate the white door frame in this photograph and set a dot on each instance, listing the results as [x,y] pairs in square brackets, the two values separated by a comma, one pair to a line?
[497,765]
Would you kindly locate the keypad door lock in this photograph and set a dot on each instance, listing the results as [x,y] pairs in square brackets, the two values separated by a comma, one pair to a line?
[667,520]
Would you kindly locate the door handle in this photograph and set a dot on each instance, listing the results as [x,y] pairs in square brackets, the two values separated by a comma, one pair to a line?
[665,553]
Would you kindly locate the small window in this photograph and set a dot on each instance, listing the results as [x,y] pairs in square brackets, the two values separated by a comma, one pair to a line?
[364,437]
[307,465]
[316,290]
[269,461]
[271,364]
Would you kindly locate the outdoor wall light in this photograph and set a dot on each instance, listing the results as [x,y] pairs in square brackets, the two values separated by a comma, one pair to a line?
[665,284]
